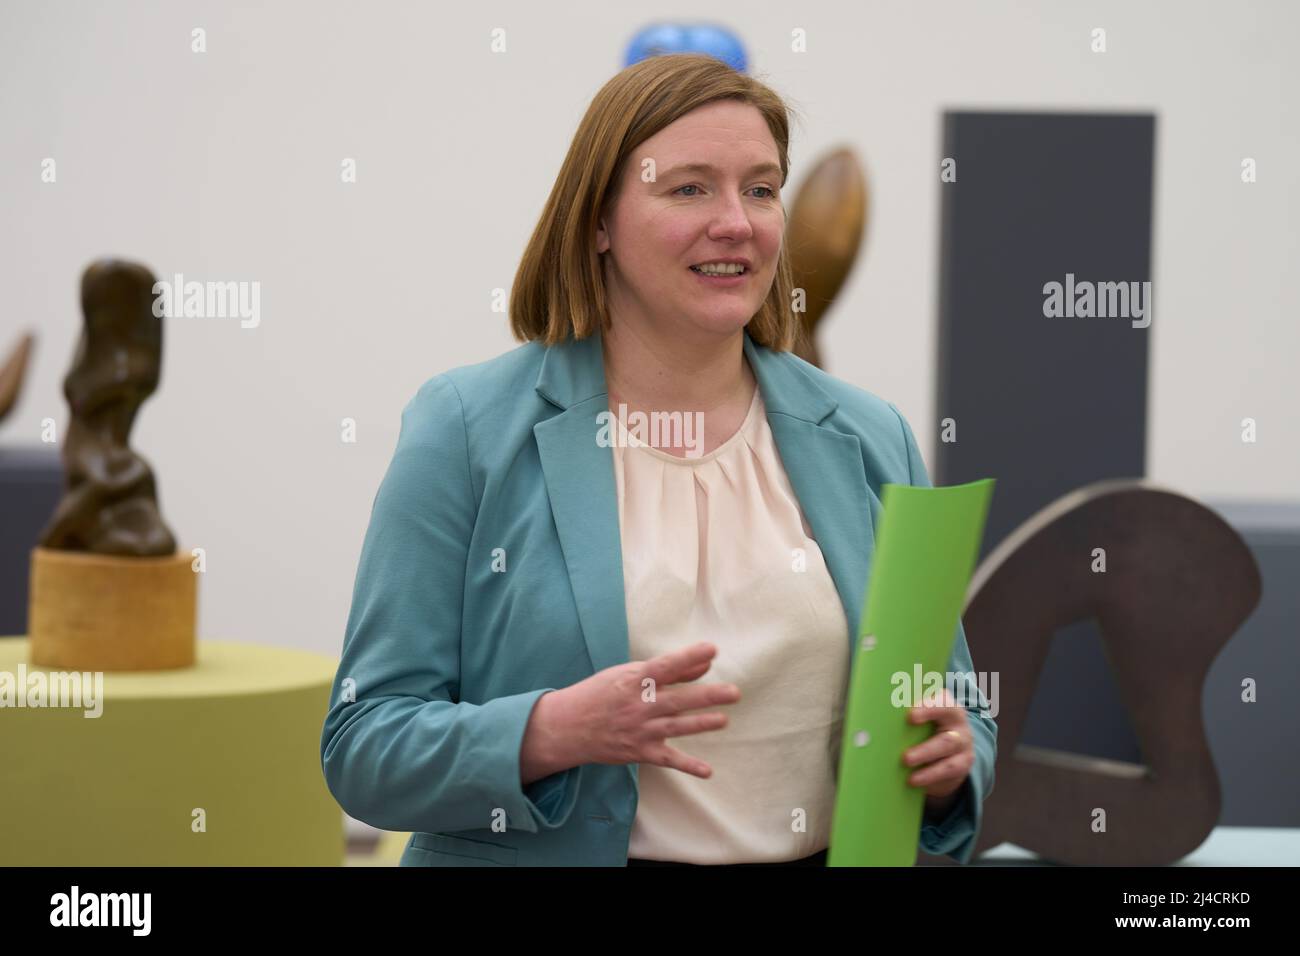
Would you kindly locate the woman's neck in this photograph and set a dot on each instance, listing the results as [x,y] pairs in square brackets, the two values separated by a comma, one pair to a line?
[656,373]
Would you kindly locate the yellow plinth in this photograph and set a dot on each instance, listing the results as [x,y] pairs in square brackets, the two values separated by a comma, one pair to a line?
[214,765]
[104,613]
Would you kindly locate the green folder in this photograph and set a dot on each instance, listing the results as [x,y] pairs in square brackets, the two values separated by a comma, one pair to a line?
[926,548]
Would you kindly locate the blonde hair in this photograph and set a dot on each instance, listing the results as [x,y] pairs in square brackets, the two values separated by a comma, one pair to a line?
[559,288]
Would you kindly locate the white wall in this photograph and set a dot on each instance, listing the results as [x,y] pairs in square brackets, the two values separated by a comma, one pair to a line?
[225,166]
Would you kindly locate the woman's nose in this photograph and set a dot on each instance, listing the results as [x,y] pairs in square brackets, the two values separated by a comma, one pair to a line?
[731,221]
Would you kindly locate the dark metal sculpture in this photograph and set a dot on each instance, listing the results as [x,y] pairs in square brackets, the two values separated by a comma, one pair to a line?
[110,502]
[1178,582]
[11,373]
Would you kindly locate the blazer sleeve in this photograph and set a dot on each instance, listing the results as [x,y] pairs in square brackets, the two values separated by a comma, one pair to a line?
[399,750]
[956,833]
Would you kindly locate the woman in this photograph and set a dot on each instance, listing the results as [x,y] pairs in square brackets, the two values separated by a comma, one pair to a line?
[542,588]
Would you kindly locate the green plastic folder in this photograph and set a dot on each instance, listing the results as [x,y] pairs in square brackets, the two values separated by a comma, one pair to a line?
[925,552]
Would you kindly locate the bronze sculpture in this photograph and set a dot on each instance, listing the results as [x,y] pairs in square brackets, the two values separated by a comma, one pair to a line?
[110,503]
[824,233]
[109,589]
[12,372]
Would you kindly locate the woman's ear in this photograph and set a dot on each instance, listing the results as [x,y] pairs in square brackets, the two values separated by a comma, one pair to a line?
[603,215]
[602,235]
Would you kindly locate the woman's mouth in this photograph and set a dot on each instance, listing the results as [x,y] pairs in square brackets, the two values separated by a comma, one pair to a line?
[721,274]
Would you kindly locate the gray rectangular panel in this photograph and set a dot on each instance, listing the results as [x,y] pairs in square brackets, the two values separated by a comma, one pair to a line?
[1042,404]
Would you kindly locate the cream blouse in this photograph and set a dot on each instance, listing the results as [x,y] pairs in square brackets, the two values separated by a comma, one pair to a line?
[717,548]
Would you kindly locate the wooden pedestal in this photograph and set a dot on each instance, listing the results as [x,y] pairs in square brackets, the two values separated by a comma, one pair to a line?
[94,612]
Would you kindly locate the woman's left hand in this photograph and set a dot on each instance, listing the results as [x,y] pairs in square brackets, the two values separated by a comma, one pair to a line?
[944,760]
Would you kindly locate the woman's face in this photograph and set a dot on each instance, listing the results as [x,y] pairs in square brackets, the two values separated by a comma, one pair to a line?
[727,207]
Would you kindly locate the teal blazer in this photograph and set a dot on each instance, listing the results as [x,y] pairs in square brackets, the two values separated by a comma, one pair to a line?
[444,658]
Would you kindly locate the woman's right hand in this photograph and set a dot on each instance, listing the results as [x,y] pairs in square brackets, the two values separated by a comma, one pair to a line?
[624,714]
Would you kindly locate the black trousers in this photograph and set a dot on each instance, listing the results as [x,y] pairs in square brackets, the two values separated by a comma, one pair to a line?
[817,859]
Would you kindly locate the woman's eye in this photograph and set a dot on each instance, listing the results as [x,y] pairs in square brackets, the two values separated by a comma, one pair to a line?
[771,193]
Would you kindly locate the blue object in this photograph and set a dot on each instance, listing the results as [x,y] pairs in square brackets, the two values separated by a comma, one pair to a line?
[444,658]
[707,38]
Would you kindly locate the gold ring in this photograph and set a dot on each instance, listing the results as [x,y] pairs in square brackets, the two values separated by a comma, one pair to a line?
[954,733]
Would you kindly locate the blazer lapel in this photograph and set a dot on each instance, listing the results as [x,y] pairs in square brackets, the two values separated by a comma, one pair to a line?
[579,475]
[824,466]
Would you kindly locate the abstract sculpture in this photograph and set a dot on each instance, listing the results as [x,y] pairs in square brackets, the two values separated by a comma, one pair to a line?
[12,372]
[1169,582]
[823,233]
[109,589]
[110,505]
